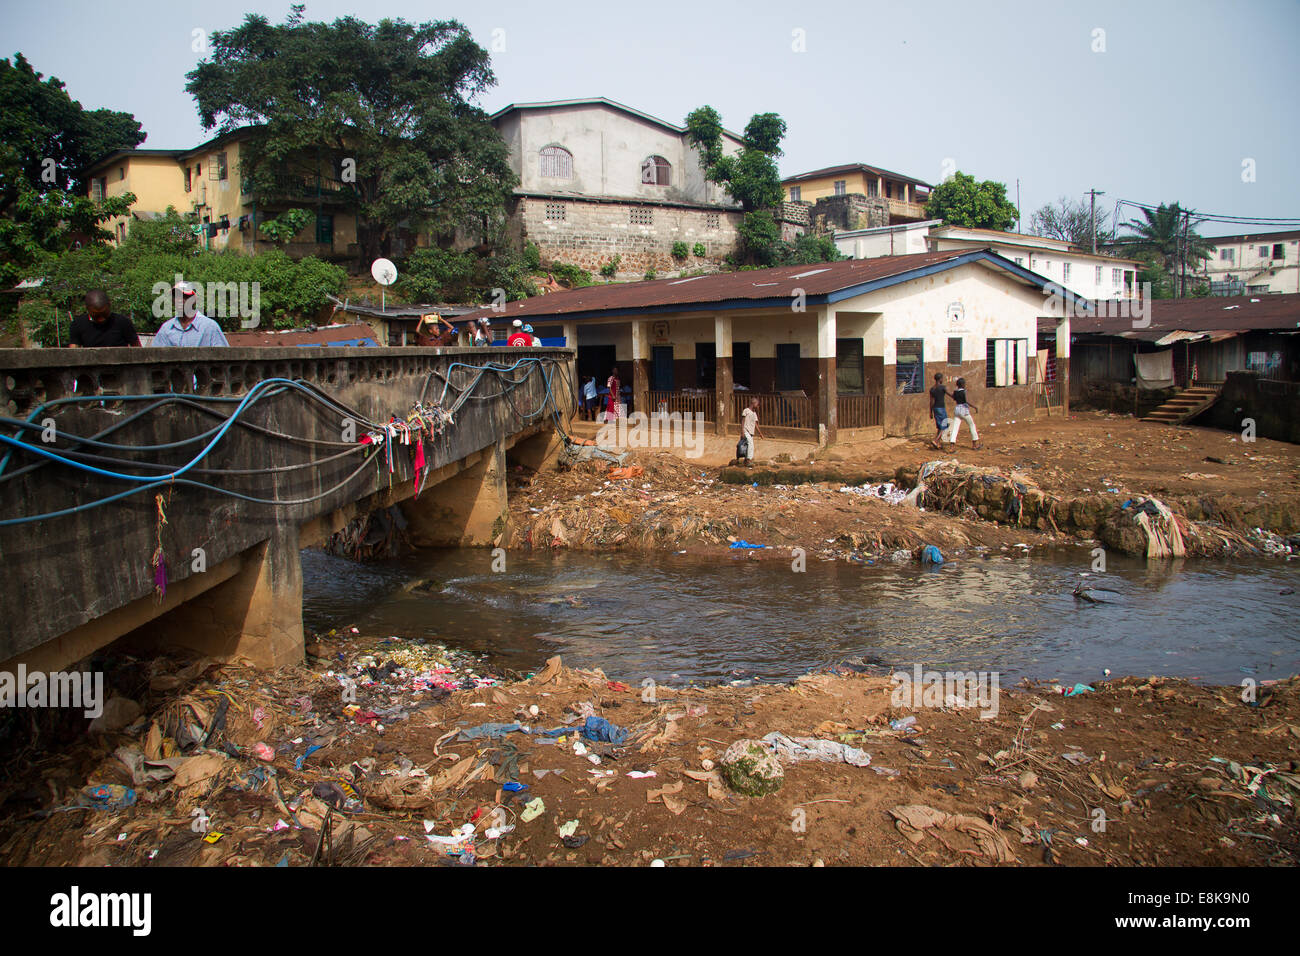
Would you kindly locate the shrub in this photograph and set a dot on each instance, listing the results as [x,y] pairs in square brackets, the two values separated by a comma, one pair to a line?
[650,274]
[700,250]
[532,256]
[679,250]
[610,269]
[575,277]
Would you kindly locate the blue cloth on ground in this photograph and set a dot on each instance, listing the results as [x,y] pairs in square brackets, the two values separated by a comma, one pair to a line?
[746,544]
[598,728]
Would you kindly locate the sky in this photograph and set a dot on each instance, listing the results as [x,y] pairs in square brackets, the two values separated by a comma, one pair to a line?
[1146,100]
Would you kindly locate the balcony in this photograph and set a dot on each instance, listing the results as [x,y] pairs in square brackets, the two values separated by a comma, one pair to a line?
[902,211]
[304,188]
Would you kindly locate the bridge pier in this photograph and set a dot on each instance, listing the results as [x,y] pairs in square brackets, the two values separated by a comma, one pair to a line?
[467,509]
[255,614]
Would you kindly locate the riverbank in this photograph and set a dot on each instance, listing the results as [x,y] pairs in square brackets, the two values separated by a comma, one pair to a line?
[423,744]
[1094,478]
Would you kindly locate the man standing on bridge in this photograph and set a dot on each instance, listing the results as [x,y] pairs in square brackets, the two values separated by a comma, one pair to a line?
[101,327]
[190,328]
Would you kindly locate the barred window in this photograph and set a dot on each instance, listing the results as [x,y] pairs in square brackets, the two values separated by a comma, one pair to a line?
[656,171]
[909,366]
[641,216]
[556,210]
[556,163]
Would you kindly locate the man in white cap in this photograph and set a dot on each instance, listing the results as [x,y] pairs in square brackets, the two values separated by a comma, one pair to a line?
[190,328]
[519,336]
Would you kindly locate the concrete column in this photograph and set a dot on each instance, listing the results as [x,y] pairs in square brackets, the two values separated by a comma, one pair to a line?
[641,366]
[1063,361]
[827,388]
[723,385]
[570,335]
[467,509]
[255,614]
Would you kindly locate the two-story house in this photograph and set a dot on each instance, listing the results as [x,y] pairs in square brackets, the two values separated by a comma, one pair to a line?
[1253,263]
[905,196]
[598,179]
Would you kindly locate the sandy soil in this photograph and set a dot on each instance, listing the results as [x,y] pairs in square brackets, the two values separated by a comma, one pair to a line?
[1158,772]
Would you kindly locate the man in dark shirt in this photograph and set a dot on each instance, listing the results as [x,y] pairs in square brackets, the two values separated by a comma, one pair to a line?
[938,395]
[101,327]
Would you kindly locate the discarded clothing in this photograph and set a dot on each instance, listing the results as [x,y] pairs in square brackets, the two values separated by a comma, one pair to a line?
[746,545]
[489,730]
[598,728]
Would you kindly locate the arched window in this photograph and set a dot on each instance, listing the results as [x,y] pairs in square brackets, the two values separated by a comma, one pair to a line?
[656,171]
[556,163]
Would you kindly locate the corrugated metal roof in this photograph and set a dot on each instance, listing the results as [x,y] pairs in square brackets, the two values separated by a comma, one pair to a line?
[820,283]
[1213,314]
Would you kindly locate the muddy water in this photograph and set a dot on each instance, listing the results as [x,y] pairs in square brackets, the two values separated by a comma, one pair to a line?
[674,619]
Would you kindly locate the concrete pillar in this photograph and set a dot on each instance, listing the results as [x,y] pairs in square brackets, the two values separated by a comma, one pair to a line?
[723,385]
[256,614]
[570,335]
[827,388]
[1063,361]
[467,509]
[641,366]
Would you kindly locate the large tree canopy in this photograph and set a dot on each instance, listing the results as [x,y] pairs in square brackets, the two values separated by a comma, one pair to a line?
[383,113]
[41,122]
[961,201]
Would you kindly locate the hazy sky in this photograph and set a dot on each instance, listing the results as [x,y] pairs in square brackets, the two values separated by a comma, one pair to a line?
[1177,96]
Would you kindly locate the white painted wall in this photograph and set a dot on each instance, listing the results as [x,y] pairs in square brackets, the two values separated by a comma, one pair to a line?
[608,147]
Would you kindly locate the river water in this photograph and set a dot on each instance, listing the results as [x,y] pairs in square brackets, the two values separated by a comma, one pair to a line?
[675,619]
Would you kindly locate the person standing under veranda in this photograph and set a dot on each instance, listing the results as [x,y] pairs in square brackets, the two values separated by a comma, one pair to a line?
[749,430]
[962,414]
[938,396]
[589,395]
[611,403]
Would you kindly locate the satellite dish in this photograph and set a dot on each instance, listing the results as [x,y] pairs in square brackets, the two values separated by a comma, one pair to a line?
[384,272]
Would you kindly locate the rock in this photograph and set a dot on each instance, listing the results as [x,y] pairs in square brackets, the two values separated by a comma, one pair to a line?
[752,768]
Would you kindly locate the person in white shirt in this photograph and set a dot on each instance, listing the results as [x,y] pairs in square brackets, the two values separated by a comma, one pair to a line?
[749,430]
[190,328]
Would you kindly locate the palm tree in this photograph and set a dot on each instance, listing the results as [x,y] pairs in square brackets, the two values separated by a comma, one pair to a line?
[1168,238]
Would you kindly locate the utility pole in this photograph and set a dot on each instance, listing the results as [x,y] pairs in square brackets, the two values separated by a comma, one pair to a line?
[1094,193]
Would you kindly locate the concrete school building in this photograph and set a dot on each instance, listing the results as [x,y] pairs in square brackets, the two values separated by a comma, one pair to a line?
[833,351]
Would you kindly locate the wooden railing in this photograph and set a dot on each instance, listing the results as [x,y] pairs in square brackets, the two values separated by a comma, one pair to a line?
[776,410]
[857,411]
[684,403]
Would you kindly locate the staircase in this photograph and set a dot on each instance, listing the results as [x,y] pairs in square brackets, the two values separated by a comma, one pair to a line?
[1187,404]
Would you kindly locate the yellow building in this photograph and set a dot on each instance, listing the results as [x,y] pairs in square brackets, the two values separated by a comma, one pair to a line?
[906,195]
[206,182]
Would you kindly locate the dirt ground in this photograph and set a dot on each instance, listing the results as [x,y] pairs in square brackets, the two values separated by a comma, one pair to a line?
[1134,772]
[1222,489]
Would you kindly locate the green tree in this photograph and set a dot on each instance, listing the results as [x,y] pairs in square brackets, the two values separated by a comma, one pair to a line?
[46,139]
[750,176]
[40,225]
[961,201]
[1167,237]
[383,113]
[285,226]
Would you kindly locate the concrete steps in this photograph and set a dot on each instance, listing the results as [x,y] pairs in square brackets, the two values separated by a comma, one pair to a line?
[1186,405]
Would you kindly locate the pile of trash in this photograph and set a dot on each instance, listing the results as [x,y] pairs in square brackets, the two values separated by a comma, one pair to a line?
[886,491]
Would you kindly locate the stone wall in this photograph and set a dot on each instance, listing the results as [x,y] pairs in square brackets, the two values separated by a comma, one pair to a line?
[848,212]
[589,234]
[1274,405]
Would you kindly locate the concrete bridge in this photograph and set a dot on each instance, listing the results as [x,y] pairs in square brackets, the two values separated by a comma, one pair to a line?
[221,433]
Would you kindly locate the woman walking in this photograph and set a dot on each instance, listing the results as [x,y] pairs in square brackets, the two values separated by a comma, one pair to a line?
[962,414]
[611,404]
